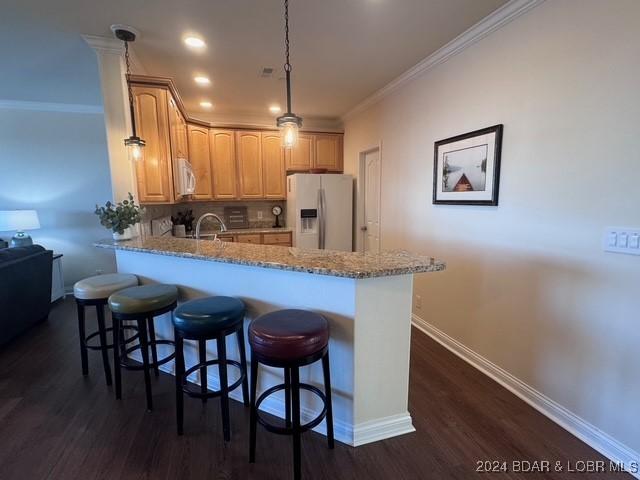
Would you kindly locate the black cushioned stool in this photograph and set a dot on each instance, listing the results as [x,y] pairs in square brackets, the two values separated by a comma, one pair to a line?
[141,304]
[290,339]
[207,319]
[95,291]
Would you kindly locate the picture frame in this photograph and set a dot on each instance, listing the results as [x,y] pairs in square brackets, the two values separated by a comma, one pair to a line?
[466,168]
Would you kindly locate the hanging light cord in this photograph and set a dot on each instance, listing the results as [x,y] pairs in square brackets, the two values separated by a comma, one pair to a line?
[131,108]
[287,65]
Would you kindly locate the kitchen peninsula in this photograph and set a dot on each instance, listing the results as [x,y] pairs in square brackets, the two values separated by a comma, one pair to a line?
[365,297]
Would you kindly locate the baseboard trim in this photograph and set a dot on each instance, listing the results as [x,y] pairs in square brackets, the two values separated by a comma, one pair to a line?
[373,431]
[577,426]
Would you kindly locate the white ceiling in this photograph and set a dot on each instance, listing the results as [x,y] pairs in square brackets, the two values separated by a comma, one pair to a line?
[342,50]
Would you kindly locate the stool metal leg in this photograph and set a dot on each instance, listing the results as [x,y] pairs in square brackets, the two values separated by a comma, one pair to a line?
[83,336]
[154,350]
[243,362]
[202,352]
[327,394]
[117,333]
[144,349]
[253,415]
[295,400]
[103,343]
[179,380]
[287,396]
[224,386]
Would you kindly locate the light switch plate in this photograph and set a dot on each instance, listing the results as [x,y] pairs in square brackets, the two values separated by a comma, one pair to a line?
[622,240]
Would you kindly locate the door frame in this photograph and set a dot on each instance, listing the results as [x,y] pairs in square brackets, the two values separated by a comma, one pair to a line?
[360,235]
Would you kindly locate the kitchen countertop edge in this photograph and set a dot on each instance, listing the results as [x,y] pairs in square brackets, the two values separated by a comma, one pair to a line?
[420,264]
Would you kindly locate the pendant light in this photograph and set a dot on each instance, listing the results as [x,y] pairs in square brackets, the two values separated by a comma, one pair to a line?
[289,123]
[134,144]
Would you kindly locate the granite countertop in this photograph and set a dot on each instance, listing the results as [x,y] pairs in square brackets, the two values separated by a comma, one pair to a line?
[320,262]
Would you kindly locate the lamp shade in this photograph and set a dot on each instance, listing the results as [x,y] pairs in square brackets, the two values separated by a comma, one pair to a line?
[18,220]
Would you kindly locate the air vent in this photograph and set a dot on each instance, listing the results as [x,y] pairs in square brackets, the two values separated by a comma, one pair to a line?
[266,72]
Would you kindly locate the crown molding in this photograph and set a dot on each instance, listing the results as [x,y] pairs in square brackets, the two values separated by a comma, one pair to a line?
[113,46]
[50,107]
[241,120]
[494,21]
[104,44]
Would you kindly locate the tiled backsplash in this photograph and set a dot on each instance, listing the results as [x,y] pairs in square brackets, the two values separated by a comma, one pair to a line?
[253,208]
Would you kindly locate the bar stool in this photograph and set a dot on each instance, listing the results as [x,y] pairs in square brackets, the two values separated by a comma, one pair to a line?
[95,291]
[290,339]
[207,319]
[141,304]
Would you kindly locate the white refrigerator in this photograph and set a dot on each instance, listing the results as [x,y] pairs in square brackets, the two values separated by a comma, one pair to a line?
[319,210]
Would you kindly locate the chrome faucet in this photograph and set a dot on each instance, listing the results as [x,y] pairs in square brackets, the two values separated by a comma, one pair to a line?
[223,227]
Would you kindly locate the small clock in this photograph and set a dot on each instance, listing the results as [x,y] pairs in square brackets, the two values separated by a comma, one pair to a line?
[277,211]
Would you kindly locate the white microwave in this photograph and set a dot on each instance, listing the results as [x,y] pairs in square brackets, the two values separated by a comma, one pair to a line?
[186,178]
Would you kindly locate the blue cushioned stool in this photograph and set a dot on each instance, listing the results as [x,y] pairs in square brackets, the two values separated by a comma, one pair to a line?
[207,319]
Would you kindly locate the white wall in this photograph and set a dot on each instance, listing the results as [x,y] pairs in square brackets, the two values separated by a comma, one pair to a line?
[528,285]
[56,163]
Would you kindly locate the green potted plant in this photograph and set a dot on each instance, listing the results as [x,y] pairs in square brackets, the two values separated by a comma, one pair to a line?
[120,217]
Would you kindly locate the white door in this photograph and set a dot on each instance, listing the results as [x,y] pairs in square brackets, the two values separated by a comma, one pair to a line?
[371,228]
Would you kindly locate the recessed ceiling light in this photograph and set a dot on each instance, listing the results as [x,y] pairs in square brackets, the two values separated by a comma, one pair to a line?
[274,109]
[194,42]
[206,104]
[202,80]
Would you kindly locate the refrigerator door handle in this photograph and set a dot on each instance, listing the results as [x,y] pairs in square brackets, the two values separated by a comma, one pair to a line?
[324,220]
[320,219]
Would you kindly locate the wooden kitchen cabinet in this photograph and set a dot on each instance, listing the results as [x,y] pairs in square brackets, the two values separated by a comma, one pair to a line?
[249,159]
[178,137]
[249,238]
[154,172]
[282,239]
[273,167]
[200,160]
[222,146]
[328,152]
[177,130]
[301,157]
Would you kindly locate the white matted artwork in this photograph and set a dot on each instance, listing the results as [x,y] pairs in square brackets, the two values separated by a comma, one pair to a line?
[467,168]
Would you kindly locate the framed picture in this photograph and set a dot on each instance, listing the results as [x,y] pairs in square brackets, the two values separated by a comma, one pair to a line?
[466,168]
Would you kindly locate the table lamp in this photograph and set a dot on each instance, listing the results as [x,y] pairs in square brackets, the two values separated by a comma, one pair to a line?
[19,220]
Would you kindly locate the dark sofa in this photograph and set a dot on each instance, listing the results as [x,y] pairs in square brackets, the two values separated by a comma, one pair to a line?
[25,289]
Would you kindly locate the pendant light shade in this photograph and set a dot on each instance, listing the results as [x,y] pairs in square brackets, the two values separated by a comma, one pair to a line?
[289,126]
[135,145]
[289,123]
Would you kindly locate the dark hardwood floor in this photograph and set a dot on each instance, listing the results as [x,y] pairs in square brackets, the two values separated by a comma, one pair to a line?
[57,424]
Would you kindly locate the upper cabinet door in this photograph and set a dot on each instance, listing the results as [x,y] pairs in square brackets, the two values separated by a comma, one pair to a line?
[301,157]
[178,130]
[200,161]
[273,166]
[328,152]
[153,172]
[223,163]
[249,154]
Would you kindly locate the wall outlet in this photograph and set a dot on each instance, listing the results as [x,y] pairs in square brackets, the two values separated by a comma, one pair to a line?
[259,213]
[99,271]
[418,302]
[622,240]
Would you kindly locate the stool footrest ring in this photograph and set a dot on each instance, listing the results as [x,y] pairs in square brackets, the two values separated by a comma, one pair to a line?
[138,366]
[289,430]
[192,392]
[95,334]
